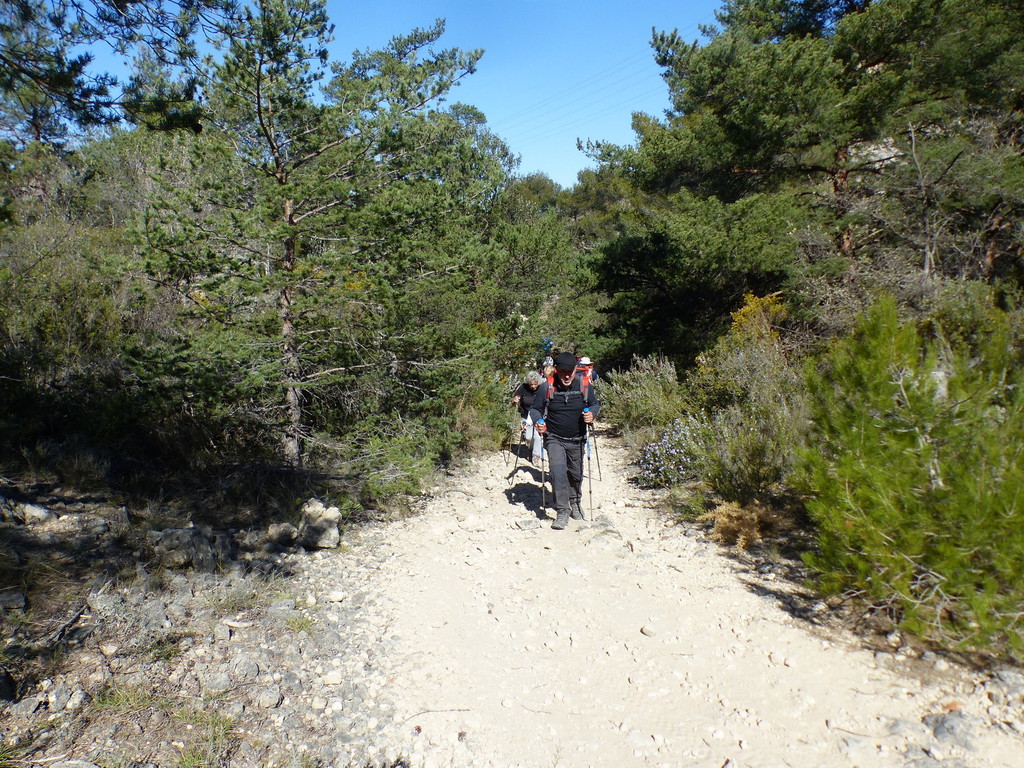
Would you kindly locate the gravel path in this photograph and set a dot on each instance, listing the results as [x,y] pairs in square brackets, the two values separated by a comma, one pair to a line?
[622,641]
[472,635]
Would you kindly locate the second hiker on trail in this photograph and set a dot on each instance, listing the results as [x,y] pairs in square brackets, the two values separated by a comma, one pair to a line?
[563,411]
[523,399]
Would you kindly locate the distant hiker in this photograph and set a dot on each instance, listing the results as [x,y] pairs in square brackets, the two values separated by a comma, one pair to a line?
[587,367]
[563,410]
[547,368]
[523,399]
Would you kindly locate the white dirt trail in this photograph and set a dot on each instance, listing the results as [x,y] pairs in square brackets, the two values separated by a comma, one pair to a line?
[624,641]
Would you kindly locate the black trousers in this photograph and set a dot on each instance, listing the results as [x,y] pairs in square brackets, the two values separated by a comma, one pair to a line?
[565,465]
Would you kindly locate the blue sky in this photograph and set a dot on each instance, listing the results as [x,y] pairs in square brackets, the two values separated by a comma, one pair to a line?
[552,71]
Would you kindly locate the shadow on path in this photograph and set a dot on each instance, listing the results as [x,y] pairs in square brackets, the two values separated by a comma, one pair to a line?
[529,495]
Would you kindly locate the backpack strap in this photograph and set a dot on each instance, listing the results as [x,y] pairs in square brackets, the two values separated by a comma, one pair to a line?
[581,373]
[549,387]
[585,381]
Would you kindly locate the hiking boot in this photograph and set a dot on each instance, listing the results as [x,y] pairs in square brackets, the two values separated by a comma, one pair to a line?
[574,510]
[561,520]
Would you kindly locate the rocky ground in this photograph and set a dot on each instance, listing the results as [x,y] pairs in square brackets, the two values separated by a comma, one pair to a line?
[469,634]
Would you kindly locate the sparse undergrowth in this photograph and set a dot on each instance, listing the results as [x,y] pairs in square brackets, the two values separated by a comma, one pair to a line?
[203,736]
[744,526]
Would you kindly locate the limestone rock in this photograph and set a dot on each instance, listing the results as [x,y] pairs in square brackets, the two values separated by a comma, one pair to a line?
[12,600]
[282,534]
[318,528]
[184,547]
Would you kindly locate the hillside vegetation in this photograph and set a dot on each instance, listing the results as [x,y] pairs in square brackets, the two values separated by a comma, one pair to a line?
[824,237]
[268,275]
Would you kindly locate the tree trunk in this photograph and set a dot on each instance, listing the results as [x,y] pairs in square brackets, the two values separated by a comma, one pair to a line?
[291,443]
[840,188]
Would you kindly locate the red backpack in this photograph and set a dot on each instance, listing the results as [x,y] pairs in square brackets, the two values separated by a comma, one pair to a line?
[584,383]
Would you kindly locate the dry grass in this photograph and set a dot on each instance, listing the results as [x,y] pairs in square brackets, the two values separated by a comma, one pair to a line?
[745,526]
[201,736]
[124,699]
[300,623]
[231,600]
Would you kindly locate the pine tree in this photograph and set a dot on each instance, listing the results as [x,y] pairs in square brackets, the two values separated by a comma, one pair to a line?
[316,200]
[914,474]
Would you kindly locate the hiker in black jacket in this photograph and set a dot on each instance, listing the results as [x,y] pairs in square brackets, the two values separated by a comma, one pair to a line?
[563,411]
[522,399]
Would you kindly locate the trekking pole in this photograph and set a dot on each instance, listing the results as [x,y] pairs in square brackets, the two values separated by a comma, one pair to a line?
[511,439]
[590,470]
[590,482]
[519,450]
[543,493]
[593,434]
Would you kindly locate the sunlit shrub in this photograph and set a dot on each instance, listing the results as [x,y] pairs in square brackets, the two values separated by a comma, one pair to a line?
[753,398]
[916,477]
[736,422]
[751,454]
[643,400]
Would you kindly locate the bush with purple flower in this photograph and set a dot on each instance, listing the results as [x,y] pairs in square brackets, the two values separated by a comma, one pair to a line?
[678,456]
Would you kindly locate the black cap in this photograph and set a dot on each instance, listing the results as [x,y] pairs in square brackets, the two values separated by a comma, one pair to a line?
[566,361]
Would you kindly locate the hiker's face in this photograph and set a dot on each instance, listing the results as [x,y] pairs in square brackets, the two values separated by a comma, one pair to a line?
[565,376]
[533,384]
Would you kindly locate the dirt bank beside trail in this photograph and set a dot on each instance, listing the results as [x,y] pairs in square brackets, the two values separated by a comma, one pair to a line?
[624,641]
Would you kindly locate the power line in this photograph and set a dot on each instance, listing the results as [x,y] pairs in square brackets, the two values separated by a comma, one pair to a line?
[582,117]
[541,117]
[575,87]
[612,87]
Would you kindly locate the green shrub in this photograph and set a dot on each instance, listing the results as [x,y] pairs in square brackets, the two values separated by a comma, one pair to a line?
[390,459]
[481,419]
[643,400]
[685,505]
[751,454]
[916,477]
